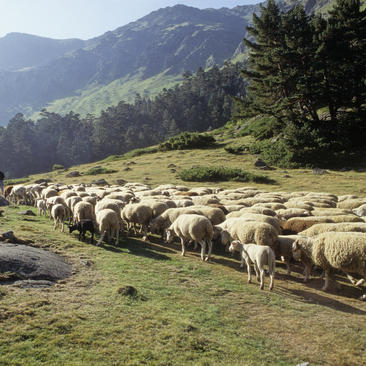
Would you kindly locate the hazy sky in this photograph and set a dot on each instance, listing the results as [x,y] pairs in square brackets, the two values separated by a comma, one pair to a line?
[85,18]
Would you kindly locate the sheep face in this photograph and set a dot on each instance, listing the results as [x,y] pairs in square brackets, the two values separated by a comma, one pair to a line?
[234,246]
[169,235]
[296,250]
[225,237]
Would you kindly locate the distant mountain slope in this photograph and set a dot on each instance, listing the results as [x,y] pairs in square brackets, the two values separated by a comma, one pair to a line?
[19,50]
[143,56]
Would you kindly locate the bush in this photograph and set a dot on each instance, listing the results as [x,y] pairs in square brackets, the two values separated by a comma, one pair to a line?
[139,152]
[217,173]
[188,140]
[58,167]
[99,170]
[236,149]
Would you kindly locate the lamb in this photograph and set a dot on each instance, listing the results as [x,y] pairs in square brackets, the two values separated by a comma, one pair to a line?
[259,256]
[83,226]
[260,233]
[192,227]
[334,250]
[108,223]
[83,211]
[58,213]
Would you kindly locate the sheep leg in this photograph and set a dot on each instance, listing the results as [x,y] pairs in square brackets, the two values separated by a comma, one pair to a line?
[352,279]
[257,271]
[326,283]
[183,247]
[249,272]
[117,236]
[62,226]
[360,282]
[262,278]
[209,243]
[307,272]
[55,225]
[287,261]
[271,276]
[203,249]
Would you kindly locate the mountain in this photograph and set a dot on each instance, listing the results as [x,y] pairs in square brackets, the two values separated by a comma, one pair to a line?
[166,42]
[19,50]
[143,56]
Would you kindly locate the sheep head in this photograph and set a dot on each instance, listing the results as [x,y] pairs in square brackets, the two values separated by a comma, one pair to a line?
[169,235]
[234,246]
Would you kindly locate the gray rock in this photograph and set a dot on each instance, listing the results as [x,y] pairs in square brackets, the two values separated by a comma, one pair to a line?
[39,181]
[32,263]
[318,171]
[26,213]
[127,169]
[260,163]
[172,165]
[100,182]
[73,174]
[121,182]
[8,235]
[3,201]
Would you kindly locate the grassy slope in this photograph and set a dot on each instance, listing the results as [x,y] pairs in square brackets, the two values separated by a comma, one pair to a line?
[186,312]
[97,98]
[153,169]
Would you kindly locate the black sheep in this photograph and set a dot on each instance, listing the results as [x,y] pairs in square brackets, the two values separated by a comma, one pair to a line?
[83,226]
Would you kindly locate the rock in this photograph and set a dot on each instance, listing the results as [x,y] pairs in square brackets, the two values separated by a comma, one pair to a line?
[172,165]
[26,213]
[130,163]
[173,171]
[8,235]
[147,178]
[3,201]
[121,182]
[30,263]
[46,180]
[100,182]
[259,163]
[127,291]
[73,174]
[319,171]
[287,176]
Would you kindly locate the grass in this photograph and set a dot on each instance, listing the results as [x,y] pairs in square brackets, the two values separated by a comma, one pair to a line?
[155,168]
[202,313]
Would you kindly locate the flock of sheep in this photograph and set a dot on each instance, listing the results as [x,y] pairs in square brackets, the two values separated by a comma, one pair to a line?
[319,229]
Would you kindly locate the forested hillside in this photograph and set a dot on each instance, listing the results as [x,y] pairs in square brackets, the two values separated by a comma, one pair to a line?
[202,102]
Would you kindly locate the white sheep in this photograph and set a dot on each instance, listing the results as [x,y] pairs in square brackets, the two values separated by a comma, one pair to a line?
[41,206]
[334,250]
[192,227]
[58,213]
[259,255]
[83,211]
[137,213]
[108,223]
[260,233]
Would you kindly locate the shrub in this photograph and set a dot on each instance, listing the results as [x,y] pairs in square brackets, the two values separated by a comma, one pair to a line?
[235,149]
[188,140]
[58,167]
[219,173]
[99,170]
[139,152]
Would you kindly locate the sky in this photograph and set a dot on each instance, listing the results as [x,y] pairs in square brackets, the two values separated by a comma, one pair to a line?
[85,19]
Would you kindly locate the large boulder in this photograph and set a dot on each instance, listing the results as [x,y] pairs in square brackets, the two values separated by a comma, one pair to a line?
[30,263]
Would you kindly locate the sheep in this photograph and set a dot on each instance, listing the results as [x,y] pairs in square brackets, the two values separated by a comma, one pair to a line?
[259,256]
[284,249]
[252,210]
[137,213]
[288,213]
[18,194]
[108,223]
[297,224]
[334,250]
[338,227]
[260,233]
[41,206]
[83,211]
[360,211]
[58,213]
[351,204]
[83,226]
[112,204]
[192,227]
